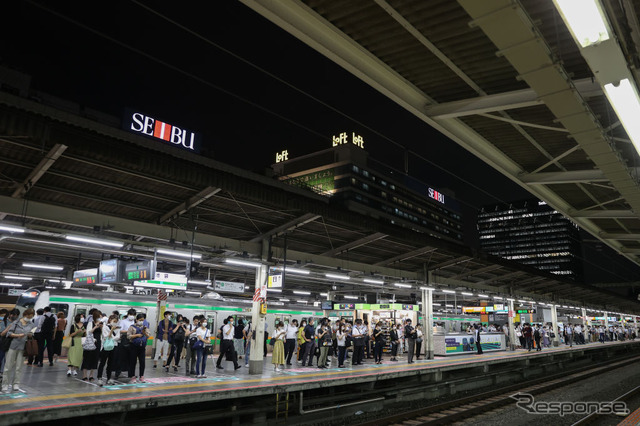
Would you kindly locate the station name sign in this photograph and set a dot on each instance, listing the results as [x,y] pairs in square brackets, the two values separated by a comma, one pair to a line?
[141,123]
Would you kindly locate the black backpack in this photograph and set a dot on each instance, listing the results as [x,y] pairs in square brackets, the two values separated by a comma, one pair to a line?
[536,334]
[48,324]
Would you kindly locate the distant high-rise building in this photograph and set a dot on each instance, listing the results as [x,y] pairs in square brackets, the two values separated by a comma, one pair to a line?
[352,179]
[532,233]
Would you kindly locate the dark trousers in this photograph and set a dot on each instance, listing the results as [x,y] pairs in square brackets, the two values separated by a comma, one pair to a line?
[538,347]
[226,348]
[124,355]
[358,353]
[44,341]
[289,349]
[411,350]
[176,352]
[342,350]
[377,351]
[418,348]
[301,350]
[367,343]
[394,349]
[57,342]
[529,343]
[106,357]
[309,350]
[190,360]
[479,347]
[136,354]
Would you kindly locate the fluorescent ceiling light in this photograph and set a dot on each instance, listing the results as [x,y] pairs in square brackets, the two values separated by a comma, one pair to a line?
[57,280]
[466,294]
[449,291]
[294,270]
[42,266]
[94,241]
[449,306]
[301,301]
[11,229]
[585,20]
[338,277]
[179,253]
[427,288]
[197,282]
[17,277]
[305,293]
[324,294]
[371,281]
[483,295]
[351,297]
[10,285]
[50,287]
[285,300]
[243,263]
[194,292]
[102,285]
[401,285]
[275,290]
[497,297]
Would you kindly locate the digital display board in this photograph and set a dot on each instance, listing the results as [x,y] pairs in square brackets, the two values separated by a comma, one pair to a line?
[526,311]
[344,306]
[164,280]
[327,305]
[85,276]
[137,271]
[109,271]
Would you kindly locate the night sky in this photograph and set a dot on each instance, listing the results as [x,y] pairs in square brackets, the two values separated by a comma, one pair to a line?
[247,86]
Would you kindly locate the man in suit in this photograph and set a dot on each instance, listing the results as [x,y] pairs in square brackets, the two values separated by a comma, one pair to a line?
[410,335]
[478,346]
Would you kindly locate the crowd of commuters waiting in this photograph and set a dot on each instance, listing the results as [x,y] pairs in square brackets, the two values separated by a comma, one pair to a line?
[111,344]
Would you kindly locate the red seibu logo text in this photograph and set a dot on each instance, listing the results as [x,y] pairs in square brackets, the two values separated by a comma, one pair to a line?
[161,130]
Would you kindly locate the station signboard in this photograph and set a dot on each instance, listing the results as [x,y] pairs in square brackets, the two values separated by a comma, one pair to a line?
[526,311]
[85,276]
[473,310]
[343,306]
[275,281]
[229,286]
[164,280]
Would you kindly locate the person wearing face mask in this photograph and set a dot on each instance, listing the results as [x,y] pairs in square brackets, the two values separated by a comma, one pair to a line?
[74,355]
[18,332]
[110,338]
[226,346]
[395,342]
[4,322]
[124,346]
[138,335]
[203,339]
[379,343]
[164,337]
[341,337]
[190,335]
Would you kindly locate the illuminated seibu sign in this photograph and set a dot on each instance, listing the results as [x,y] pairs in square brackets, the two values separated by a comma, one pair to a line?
[282,156]
[343,138]
[433,194]
[140,123]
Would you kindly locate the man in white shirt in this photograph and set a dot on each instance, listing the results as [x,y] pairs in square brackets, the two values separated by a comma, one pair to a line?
[226,346]
[290,340]
[568,330]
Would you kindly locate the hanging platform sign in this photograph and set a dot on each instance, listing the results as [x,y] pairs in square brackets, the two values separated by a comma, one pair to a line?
[275,281]
[229,286]
[164,280]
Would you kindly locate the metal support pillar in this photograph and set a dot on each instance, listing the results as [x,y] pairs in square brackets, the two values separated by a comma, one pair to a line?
[512,329]
[256,359]
[554,324]
[585,323]
[427,315]
[635,324]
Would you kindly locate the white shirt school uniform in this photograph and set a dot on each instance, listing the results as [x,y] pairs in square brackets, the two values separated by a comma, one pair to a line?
[292,332]
[227,332]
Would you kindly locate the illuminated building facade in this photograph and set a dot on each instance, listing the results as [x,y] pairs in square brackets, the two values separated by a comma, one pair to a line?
[532,233]
[353,180]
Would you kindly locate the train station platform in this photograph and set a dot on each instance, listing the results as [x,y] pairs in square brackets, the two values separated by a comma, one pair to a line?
[241,398]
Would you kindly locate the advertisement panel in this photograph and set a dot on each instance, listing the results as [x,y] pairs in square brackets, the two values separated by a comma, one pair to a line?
[462,344]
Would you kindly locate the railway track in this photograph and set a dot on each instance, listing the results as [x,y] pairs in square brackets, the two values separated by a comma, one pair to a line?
[464,408]
[596,417]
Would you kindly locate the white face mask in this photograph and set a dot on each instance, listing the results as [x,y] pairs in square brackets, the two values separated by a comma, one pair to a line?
[140,323]
[130,317]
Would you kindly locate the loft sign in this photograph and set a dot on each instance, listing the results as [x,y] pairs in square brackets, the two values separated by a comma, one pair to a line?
[435,195]
[149,126]
[343,138]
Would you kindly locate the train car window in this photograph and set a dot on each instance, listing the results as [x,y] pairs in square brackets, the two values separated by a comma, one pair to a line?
[28,299]
[59,307]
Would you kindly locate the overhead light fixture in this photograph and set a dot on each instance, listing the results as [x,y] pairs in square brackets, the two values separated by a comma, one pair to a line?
[58,280]
[196,293]
[176,253]
[274,290]
[11,229]
[43,266]
[401,285]
[585,19]
[449,306]
[483,295]
[338,277]
[498,297]
[10,285]
[304,293]
[427,288]
[285,300]
[198,282]
[94,241]
[449,291]
[301,301]
[243,263]
[17,277]
[372,281]
[294,270]
[102,285]
[466,294]
[351,297]
[324,294]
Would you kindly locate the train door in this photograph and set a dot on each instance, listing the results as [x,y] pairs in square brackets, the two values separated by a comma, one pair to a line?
[286,319]
[212,326]
[81,310]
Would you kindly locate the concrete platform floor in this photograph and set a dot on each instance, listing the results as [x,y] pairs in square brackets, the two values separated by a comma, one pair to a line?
[49,388]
